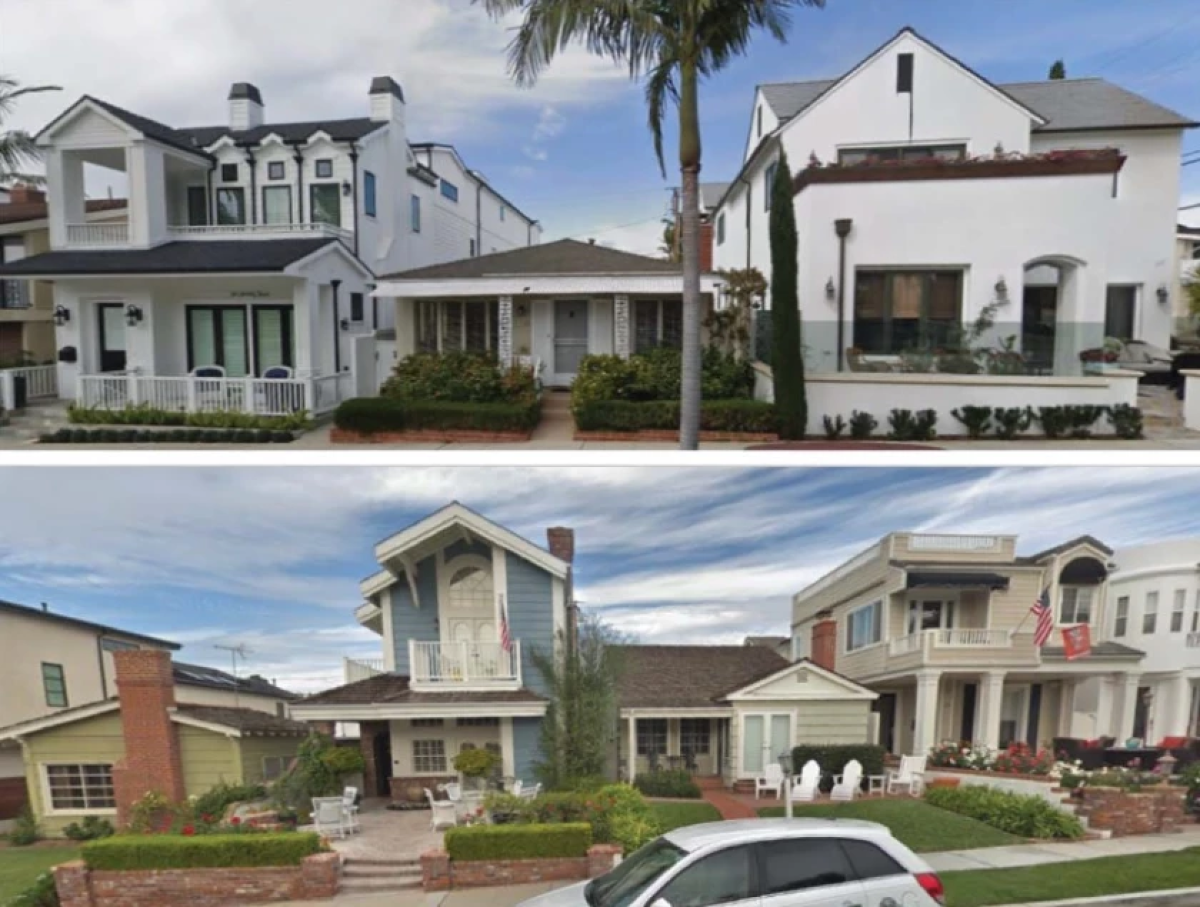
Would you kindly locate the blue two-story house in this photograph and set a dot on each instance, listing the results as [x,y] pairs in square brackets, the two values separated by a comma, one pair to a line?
[461,604]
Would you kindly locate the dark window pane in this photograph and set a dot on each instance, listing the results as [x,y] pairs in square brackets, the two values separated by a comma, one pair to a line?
[869,862]
[229,173]
[275,170]
[356,306]
[324,169]
[869,305]
[476,327]
[717,879]
[672,324]
[369,193]
[645,325]
[231,207]
[802,863]
[197,206]
[326,204]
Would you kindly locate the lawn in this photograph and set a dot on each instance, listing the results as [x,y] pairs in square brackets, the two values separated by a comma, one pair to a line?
[20,866]
[1079,879]
[924,828]
[675,814]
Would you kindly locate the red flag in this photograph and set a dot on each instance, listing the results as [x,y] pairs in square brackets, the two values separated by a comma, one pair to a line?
[1045,619]
[1077,641]
[505,637]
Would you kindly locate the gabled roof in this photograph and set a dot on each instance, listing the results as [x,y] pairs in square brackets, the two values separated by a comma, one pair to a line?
[1099,650]
[151,129]
[711,193]
[391,689]
[241,722]
[104,629]
[1066,546]
[349,130]
[60,717]
[201,676]
[564,257]
[677,677]
[851,688]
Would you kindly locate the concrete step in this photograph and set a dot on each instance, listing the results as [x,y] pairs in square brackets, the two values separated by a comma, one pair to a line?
[370,886]
[398,862]
[360,871]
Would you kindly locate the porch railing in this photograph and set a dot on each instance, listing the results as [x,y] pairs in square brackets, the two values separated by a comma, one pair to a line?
[41,383]
[256,396]
[98,236]
[444,664]
[259,231]
[356,669]
[906,645]
[972,639]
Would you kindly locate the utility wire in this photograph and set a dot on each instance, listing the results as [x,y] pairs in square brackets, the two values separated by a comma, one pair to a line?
[1122,53]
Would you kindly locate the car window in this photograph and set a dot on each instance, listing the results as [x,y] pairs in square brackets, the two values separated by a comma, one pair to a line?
[869,861]
[799,863]
[633,875]
[719,878]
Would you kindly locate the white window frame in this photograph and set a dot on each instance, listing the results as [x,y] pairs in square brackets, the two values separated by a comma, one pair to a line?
[438,308]
[430,741]
[947,619]
[1150,614]
[1178,611]
[846,648]
[1061,617]
[637,738]
[1121,618]
[48,808]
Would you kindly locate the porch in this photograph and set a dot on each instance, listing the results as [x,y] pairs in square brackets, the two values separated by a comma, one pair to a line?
[699,744]
[272,396]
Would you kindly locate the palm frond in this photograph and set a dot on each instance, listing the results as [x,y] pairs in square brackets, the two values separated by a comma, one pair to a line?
[660,87]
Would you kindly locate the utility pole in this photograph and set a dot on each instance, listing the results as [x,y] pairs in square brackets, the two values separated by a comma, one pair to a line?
[235,652]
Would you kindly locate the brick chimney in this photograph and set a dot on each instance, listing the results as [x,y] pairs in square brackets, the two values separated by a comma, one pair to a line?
[706,247]
[26,195]
[146,690]
[824,641]
[561,542]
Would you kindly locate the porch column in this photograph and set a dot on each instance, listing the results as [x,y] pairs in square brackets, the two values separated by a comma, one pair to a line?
[987,713]
[899,724]
[508,765]
[1105,722]
[505,334]
[1066,708]
[1174,723]
[925,727]
[621,339]
[1129,691]
[631,751]
[306,301]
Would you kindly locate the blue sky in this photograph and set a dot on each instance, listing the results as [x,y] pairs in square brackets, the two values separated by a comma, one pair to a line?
[271,557]
[574,151]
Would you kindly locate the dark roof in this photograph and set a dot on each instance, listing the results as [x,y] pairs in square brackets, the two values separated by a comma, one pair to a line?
[152,129]
[201,676]
[1059,549]
[566,256]
[226,255]
[690,676]
[711,193]
[339,130]
[394,689]
[15,214]
[768,641]
[26,611]
[386,85]
[1183,228]
[935,579]
[248,721]
[244,91]
[1099,650]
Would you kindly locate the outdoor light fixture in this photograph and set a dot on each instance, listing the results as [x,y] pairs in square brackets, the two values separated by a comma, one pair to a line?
[346,188]
[61,315]
[1002,289]
[345,324]
[830,290]
[1164,295]
[133,315]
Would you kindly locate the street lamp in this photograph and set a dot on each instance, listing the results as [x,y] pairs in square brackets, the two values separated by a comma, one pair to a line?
[785,763]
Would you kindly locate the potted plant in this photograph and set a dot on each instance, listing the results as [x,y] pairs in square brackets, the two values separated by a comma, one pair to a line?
[476,764]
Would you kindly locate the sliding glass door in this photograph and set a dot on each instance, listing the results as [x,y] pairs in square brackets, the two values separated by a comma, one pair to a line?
[272,337]
[243,340]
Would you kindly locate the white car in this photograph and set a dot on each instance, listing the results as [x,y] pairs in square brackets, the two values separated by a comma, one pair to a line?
[763,863]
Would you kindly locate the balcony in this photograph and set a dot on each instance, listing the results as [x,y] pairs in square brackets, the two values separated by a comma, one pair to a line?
[186,394]
[444,666]
[356,669]
[98,236]
[118,235]
[966,646]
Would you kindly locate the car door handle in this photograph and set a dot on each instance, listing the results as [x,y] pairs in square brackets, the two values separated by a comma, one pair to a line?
[889,902]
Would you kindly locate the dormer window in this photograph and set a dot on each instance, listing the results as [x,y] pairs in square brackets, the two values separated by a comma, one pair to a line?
[275,170]
[229,173]
[324,170]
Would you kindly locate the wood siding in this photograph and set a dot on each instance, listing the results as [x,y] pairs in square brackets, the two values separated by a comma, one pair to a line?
[208,759]
[92,740]
[252,751]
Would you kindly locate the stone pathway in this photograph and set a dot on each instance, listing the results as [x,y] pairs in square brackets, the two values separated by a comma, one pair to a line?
[729,806]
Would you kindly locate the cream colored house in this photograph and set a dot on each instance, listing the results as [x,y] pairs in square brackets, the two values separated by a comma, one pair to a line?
[940,626]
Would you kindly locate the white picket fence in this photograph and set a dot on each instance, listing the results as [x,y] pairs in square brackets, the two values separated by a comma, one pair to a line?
[41,383]
[257,396]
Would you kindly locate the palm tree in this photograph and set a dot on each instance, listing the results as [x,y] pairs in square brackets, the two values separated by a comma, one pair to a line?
[673,44]
[16,146]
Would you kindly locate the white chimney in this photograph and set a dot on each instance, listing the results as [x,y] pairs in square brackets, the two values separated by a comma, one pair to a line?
[246,110]
[387,100]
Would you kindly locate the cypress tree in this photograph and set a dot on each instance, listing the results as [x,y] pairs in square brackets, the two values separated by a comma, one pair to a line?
[787,362]
[1058,70]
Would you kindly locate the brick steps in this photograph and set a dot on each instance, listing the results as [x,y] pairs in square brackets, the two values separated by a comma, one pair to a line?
[709,782]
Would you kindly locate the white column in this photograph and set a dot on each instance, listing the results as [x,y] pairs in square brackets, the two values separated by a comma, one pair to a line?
[925,727]
[508,765]
[306,302]
[505,331]
[622,343]
[1066,708]
[631,751]
[1174,723]
[987,711]
[1129,689]
[899,725]
[1106,715]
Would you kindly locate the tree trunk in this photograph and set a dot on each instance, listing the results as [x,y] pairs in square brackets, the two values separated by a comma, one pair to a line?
[689,160]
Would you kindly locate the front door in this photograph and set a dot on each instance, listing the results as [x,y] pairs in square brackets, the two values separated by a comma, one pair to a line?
[1014,712]
[764,738]
[1141,715]
[570,338]
[111,318]
[1120,305]
[970,693]
[383,764]
[1038,322]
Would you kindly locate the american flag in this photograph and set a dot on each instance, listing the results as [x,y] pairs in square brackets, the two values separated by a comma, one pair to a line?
[505,636]
[1045,619]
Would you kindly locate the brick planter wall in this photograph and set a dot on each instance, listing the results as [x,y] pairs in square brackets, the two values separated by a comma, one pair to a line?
[317,877]
[1150,812]
[440,873]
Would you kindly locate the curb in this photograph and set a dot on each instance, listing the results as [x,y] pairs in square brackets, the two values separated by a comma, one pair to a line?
[1136,899]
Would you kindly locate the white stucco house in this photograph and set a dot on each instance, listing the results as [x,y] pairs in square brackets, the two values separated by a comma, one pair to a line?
[240,275]
[924,193]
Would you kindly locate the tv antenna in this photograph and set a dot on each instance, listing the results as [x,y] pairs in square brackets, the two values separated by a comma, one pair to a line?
[236,652]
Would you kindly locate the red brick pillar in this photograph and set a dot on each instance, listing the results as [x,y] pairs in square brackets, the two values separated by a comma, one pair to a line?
[146,690]
[561,542]
[824,642]
[706,247]
[435,870]
[320,876]
[71,881]
[601,858]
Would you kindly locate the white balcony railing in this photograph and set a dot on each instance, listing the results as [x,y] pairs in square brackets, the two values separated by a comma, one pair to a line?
[257,396]
[259,231]
[441,665]
[1193,640]
[927,542]
[98,236]
[906,645]
[972,639]
[356,669]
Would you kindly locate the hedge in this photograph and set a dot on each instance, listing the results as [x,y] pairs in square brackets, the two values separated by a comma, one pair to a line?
[1027,815]
[371,415]
[518,842]
[125,852]
[833,758]
[656,415]
[168,436]
[668,783]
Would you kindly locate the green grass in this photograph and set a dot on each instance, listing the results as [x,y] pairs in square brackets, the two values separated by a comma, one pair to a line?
[676,815]
[20,866]
[1079,879]
[924,828]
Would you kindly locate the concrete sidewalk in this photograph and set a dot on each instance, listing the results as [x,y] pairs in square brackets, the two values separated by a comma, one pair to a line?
[471,897]
[1060,851]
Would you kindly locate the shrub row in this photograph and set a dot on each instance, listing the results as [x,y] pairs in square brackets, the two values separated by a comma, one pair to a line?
[1026,815]
[656,375]
[372,415]
[832,757]
[143,414]
[617,813]
[1005,423]
[518,842]
[167,436]
[663,415]
[667,783]
[459,377]
[176,852]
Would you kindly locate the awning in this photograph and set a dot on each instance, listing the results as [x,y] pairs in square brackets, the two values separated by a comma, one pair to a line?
[974,579]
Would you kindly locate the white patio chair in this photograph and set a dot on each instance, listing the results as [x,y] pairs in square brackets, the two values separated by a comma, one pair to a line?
[910,775]
[329,816]
[847,784]
[530,793]
[771,779]
[804,788]
[350,804]
[453,791]
[517,787]
[444,813]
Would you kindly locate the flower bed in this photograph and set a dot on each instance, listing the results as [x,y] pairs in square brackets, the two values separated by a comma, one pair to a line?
[144,414]
[617,813]
[1016,759]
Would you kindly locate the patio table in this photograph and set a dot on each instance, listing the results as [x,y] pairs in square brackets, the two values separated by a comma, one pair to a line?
[876,784]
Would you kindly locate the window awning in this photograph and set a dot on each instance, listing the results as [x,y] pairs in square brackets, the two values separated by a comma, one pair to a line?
[972,579]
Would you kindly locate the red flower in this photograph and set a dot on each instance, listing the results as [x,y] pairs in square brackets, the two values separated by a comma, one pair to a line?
[235,821]
[189,830]
[206,818]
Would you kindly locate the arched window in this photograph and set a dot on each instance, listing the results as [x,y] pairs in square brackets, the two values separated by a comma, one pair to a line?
[470,588]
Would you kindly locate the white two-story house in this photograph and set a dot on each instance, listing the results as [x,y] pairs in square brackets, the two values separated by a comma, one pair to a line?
[240,276]
[924,193]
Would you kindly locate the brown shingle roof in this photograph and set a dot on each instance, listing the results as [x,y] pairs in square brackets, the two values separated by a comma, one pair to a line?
[393,688]
[566,256]
[690,676]
[248,721]
[1065,546]
[15,214]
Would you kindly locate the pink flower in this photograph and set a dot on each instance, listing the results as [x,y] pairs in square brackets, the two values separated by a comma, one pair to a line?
[235,821]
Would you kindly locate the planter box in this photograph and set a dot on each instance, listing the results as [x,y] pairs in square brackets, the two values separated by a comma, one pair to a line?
[944,782]
[429,436]
[666,435]
[440,873]
[1152,811]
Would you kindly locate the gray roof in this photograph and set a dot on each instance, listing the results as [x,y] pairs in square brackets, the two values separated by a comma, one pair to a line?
[1066,104]
[201,676]
[103,629]
[339,130]
[394,688]
[248,721]
[152,129]
[1099,650]
[711,193]
[770,642]
[689,676]
[566,256]
[229,256]
[1069,544]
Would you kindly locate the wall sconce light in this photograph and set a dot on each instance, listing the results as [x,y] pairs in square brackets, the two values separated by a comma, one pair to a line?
[1002,289]
[522,310]
[61,315]
[830,290]
[345,323]
[1164,295]
[346,188]
[133,315]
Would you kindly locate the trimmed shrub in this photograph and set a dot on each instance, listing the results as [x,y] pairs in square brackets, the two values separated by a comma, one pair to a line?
[655,375]
[1027,815]
[206,851]
[667,783]
[834,428]
[833,756]
[1055,421]
[172,436]
[91,829]
[663,415]
[214,801]
[518,842]
[458,377]
[975,419]
[42,893]
[371,415]
[144,414]
[907,426]
[862,425]
[1127,421]
[1011,421]
[25,830]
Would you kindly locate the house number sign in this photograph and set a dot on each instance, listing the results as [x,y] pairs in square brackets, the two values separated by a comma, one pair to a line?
[249,294]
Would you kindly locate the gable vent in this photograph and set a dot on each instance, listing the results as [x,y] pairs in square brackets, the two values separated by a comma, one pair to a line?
[904,74]
[802,677]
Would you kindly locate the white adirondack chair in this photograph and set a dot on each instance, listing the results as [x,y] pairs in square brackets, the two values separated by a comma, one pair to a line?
[847,784]
[517,787]
[443,813]
[329,816]
[910,775]
[771,779]
[804,788]
[531,793]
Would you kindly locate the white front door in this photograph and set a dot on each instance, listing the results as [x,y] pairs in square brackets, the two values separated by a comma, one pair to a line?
[570,339]
[765,736]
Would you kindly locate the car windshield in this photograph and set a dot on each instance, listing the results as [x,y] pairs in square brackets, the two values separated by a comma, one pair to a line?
[619,887]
